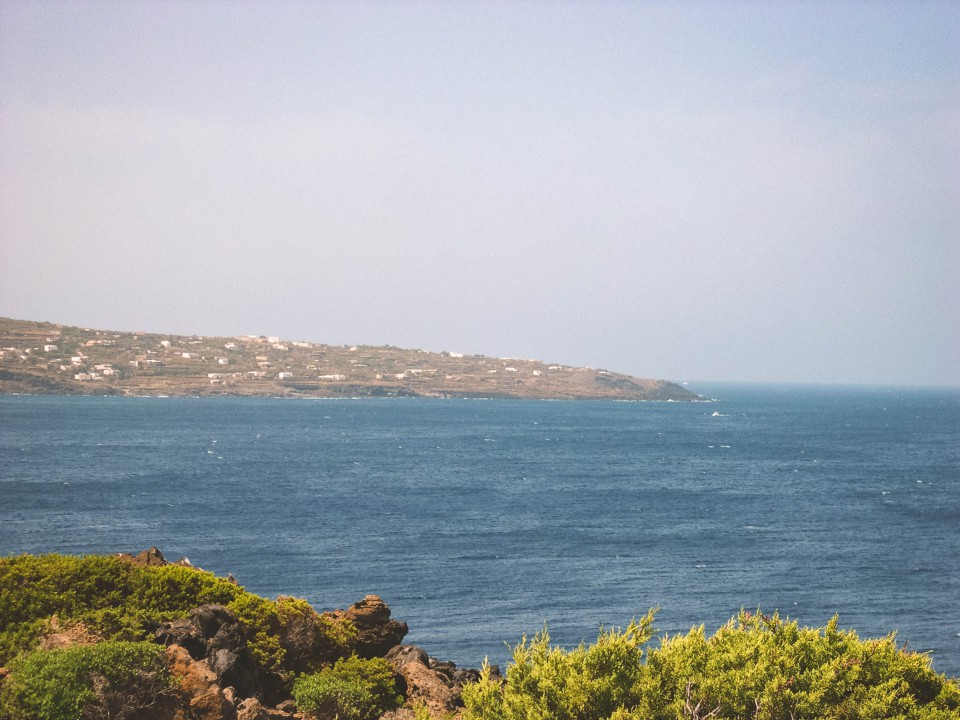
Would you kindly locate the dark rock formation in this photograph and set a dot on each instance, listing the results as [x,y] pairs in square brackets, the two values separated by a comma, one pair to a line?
[307,637]
[213,633]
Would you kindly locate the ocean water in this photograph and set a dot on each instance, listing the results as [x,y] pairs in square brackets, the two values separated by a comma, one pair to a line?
[481,520]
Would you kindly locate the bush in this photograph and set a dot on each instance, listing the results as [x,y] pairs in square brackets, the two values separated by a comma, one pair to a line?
[114,680]
[123,601]
[756,667]
[353,689]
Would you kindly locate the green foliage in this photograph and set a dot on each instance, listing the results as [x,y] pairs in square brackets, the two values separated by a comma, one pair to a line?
[116,599]
[261,621]
[120,600]
[756,667]
[353,689]
[106,680]
[586,683]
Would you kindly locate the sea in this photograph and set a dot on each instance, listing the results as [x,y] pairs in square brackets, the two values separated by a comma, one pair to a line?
[481,521]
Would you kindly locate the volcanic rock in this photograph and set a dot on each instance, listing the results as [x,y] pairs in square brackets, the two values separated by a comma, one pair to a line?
[198,686]
[376,632]
[213,633]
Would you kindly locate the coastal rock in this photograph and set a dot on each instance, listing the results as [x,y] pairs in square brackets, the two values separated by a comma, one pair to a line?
[201,696]
[212,633]
[153,558]
[251,709]
[376,632]
[424,685]
[306,638]
[149,558]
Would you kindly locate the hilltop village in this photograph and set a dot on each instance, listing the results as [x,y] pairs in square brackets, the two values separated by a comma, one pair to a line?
[57,359]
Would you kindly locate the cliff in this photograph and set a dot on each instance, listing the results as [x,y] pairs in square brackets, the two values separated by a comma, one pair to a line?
[46,358]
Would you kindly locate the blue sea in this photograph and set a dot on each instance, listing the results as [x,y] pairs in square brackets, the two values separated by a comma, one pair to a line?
[481,520]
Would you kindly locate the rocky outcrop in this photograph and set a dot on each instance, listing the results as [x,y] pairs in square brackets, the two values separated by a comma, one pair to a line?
[310,640]
[213,633]
[376,632]
[199,691]
[217,677]
[152,558]
[436,684]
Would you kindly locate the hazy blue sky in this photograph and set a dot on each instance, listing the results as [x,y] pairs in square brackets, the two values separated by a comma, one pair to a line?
[687,190]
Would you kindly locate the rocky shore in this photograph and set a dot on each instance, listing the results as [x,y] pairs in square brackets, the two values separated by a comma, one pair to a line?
[216,675]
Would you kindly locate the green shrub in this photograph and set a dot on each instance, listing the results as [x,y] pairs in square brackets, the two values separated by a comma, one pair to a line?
[113,680]
[756,667]
[120,600]
[586,683]
[353,689]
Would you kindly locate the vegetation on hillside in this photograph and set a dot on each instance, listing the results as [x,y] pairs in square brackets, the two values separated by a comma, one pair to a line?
[353,689]
[118,600]
[756,667]
[58,359]
[105,680]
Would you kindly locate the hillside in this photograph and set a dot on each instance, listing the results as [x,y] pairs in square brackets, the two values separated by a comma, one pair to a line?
[40,357]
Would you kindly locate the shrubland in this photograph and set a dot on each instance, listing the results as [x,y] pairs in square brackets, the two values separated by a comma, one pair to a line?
[756,667]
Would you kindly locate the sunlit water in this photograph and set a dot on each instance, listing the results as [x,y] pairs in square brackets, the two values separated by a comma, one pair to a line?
[478,521]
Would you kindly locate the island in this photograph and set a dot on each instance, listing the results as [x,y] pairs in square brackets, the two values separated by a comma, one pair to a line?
[49,358]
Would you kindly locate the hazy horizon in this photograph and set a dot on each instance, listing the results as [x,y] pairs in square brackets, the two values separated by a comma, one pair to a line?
[701,192]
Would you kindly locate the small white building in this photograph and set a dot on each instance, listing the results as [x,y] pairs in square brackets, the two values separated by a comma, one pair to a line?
[284,375]
[49,348]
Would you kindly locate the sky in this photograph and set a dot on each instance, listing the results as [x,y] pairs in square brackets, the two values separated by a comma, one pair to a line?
[739,191]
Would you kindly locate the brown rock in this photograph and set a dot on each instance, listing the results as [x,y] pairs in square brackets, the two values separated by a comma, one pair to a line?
[251,709]
[214,634]
[403,713]
[424,686]
[150,558]
[376,632]
[198,686]
[370,611]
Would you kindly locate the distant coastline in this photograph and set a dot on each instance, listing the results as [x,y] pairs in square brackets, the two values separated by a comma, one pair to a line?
[48,358]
